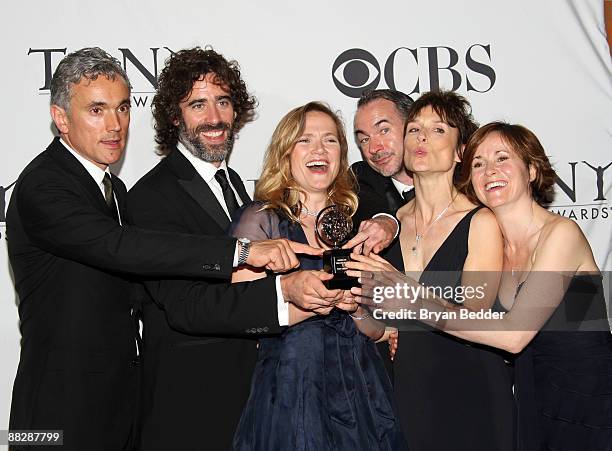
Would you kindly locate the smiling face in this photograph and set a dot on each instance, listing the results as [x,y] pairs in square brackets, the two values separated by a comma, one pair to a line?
[96,125]
[430,144]
[379,130]
[315,157]
[207,117]
[498,174]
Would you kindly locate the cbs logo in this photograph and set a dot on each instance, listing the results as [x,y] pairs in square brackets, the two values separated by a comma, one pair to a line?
[357,70]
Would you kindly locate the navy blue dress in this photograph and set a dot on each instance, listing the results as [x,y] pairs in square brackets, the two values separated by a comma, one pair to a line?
[319,386]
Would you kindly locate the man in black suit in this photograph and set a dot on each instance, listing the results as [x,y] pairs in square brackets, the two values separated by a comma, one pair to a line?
[71,250]
[384,183]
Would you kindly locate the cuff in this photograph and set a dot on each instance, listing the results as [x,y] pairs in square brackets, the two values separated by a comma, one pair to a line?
[392,217]
[283,307]
[236,255]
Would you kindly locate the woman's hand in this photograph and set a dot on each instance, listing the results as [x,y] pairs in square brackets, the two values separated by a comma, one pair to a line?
[392,336]
[374,274]
[372,262]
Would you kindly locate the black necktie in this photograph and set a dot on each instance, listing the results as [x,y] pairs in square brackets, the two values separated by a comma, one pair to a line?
[408,195]
[228,192]
[108,196]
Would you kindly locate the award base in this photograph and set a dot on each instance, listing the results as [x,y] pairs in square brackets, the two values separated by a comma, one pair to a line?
[333,262]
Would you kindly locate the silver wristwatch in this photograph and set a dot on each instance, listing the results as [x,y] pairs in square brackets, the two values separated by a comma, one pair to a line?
[245,247]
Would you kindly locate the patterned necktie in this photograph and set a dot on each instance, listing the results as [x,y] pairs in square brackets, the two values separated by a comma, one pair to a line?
[228,192]
[108,196]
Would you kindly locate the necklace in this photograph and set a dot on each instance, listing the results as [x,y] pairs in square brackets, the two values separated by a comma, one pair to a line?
[418,237]
[307,212]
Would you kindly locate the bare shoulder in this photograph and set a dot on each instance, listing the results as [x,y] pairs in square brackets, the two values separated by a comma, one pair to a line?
[559,229]
[563,246]
[484,218]
[484,225]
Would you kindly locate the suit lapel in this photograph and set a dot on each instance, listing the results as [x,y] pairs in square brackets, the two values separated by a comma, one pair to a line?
[59,153]
[395,200]
[236,182]
[197,188]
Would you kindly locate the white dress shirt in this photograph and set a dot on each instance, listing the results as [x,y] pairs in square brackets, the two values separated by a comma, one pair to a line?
[207,171]
[401,187]
[96,173]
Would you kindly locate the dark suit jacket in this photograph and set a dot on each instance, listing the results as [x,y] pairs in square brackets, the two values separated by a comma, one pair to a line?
[196,378]
[70,259]
[377,194]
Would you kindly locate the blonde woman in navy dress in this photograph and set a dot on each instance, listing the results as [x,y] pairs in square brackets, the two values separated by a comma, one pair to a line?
[321,385]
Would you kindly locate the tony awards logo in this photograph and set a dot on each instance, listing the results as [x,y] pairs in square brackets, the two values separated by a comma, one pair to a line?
[334,227]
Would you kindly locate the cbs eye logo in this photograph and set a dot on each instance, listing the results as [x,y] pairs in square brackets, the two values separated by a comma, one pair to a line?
[357,70]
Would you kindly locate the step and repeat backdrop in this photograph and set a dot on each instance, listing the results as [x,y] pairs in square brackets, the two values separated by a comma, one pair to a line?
[543,64]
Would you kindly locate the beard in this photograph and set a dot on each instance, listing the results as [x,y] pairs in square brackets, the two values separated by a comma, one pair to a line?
[388,171]
[207,152]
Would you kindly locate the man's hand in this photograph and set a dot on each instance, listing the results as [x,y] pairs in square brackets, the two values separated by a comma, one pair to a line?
[305,289]
[374,235]
[278,255]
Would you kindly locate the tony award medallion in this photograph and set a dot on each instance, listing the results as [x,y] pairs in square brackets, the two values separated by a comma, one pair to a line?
[334,227]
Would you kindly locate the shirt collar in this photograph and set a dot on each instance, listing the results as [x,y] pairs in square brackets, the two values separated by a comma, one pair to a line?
[96,173]
[205,169]
[401,187]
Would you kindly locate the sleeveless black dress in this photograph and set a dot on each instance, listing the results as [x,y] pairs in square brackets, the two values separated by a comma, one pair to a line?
[321,385]
[563,382]
[451,394]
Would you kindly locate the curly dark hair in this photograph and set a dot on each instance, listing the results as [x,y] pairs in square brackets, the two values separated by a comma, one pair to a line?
[182,70]
[526,145]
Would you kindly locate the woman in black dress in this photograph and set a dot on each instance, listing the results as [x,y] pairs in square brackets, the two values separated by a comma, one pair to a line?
[450,394]
[552,291]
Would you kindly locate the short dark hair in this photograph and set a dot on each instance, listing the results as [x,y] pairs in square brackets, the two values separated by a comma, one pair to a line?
[452,108]
[401,101]
[526,145]
[176,80]
[88,62]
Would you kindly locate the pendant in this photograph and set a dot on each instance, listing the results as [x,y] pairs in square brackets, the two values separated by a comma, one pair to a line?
[414,248]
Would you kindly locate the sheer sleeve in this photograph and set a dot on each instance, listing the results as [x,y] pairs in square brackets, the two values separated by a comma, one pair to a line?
[255,223]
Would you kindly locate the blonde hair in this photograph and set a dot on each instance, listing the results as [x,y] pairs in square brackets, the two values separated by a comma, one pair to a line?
[276,186]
